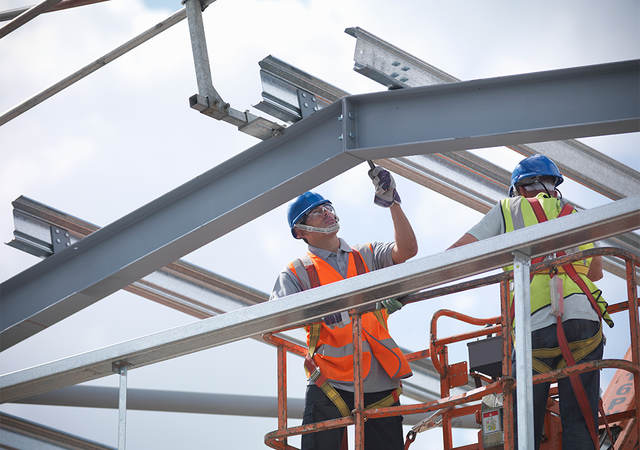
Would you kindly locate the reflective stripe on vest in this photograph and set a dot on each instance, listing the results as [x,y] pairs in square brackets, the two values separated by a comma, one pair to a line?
[333,352]
[518,213]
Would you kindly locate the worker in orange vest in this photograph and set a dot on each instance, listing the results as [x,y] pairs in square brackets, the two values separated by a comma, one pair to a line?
[329,361]
[567,309]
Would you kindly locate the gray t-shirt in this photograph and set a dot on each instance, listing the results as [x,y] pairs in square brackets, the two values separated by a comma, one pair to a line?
[287,283]
[576,306]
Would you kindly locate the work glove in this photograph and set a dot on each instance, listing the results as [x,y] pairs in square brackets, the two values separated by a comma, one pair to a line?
[386,194]
[391,304]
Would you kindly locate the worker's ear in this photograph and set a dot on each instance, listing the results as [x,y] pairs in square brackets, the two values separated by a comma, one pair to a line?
[299,233]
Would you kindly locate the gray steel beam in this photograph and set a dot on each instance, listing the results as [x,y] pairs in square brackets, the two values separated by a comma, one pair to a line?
[585,101]
[220,200]
[391,66]
[303,307]
[63,4]
[282,84]
[479,184]
[25,434]
[460,175]
[589,167]
[27,15]
[180,285]
[188,402]
[327,143]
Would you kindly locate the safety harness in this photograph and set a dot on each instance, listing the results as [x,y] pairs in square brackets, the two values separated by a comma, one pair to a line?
[574,351]
[312,369]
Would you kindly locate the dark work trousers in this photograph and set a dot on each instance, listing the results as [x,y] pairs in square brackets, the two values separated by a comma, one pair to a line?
[575,434]
[379,434]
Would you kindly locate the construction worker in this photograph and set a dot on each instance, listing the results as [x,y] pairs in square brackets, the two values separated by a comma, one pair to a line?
[329,362]
[566,307]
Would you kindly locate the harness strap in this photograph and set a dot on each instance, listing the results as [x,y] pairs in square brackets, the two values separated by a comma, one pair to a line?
[312,369]
[576,382]
[579,349]
[332,394]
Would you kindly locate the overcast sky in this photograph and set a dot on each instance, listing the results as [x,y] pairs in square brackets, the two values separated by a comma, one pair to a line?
[126,135]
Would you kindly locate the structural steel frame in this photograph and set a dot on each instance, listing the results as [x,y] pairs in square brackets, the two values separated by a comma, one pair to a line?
[459,175]
[180,285]
[561,104]
[388,64]
[304,307]
[586,101]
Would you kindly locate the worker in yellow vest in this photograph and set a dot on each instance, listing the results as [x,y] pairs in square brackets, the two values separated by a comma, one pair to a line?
[329,361]
[567,309]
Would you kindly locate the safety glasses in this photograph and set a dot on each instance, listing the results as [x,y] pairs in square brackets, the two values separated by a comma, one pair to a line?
[321,210]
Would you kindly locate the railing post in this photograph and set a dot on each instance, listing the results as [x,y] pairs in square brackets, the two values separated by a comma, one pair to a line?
[524,375]
[634,326]
[282,391]
[507,350]
[120,367]
[358,394]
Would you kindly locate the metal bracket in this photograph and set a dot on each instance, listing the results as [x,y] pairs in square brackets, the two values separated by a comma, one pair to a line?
[60,239]
[290,94]
[308,103]
[347,131]
[208,101]
[119,366]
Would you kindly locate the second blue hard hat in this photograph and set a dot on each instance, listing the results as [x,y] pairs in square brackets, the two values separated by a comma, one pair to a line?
[533,167]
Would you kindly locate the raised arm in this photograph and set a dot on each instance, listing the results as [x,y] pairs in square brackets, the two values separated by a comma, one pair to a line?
[406,245]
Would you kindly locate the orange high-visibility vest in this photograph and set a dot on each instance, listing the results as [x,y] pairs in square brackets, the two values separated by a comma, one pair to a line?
[334,348]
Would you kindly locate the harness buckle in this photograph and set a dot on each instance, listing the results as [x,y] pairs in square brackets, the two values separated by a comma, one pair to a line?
[314,375]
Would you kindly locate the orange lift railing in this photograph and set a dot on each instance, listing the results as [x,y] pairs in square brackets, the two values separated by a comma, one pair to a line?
[621,400]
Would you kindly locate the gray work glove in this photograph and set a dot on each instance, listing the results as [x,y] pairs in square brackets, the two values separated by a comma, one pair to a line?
[391,304]
[386,194]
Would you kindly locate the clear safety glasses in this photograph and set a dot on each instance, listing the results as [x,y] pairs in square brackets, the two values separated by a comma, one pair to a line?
[320,210]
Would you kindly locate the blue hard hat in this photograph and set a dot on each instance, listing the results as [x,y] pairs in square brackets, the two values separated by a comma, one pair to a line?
[534,167]
[302,205]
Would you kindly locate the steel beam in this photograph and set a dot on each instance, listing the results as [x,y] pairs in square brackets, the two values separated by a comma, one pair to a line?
[180,285]
[24,434]
[308,153]
[63,4]
[479,184]
[188,402]
[584,101]
[307,306]
[461,175]
[391,66]
[27,15]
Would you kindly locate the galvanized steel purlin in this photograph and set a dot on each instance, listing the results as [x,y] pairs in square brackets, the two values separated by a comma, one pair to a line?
[478,184]
[384,63]
[63,4]
[306,306]
[27,15]
[558,104]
